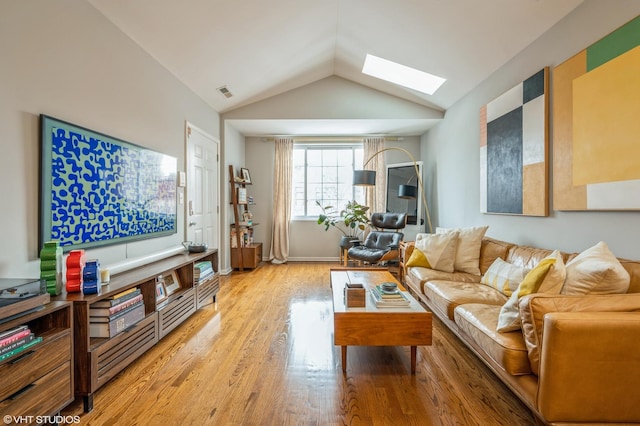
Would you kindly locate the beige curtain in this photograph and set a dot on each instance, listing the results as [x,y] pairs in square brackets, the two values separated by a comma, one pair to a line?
[283,171]
[376,196]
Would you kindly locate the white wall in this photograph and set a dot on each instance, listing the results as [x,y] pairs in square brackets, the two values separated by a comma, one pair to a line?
[64,59]
[454,145]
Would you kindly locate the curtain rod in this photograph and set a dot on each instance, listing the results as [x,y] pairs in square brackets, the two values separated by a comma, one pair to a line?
[330,138]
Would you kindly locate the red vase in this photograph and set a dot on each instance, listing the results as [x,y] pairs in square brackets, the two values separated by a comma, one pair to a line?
[75,264]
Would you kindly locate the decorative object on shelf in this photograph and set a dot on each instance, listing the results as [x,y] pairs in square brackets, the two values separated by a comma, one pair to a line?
[171,282]
[246,176]
[351,221]
[105,276]
[91,277]
[198,247]
[51,266]
[161,291]
[75,264]
[247,218]
[242,195]
[368,178]
[514,149]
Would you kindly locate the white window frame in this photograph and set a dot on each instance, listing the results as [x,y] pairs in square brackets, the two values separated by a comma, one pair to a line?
[356,193]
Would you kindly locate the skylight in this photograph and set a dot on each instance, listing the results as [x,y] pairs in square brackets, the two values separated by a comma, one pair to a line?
[402,75]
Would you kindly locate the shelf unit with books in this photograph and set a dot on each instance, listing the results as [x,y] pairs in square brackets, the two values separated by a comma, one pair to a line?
[38,380]
[99,359]
[245,252]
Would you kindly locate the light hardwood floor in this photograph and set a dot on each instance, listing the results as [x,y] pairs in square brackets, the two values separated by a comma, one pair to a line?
[265,356]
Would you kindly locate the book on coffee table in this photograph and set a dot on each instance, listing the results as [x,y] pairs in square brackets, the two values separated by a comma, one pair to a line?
[385,299]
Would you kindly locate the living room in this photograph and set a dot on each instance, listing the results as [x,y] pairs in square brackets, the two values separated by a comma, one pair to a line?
[67,60]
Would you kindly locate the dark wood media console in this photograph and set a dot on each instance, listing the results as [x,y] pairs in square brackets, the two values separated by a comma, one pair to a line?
[98,360]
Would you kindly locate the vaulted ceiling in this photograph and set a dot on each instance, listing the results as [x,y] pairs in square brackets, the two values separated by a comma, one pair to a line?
[258,49]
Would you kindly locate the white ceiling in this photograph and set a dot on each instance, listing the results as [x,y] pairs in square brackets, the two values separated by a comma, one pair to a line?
[260,48]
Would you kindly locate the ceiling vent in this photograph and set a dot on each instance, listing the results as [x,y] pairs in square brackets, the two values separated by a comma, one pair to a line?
[225,92]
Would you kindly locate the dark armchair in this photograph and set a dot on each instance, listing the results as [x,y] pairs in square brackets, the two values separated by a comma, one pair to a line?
[382,244]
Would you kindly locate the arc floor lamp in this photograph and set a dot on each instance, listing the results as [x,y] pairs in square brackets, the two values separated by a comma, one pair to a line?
[368,178]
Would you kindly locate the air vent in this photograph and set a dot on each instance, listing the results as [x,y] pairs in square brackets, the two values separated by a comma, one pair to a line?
[225,92]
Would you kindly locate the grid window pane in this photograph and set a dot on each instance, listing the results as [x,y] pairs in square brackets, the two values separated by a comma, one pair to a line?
[324,174]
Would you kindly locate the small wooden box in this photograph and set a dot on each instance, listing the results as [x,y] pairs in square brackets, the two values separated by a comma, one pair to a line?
[354,296]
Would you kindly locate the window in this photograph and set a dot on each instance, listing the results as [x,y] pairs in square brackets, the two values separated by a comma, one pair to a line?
[324,173]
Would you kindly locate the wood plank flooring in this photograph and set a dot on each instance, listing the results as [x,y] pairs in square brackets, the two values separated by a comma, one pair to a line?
[265,356]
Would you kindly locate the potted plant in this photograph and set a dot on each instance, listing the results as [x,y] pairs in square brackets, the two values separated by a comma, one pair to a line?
[350,221]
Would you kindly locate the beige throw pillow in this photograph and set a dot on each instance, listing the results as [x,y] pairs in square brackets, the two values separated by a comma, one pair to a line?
[437,251]
[547,277]
[504,276]
[468,252]
[596,271]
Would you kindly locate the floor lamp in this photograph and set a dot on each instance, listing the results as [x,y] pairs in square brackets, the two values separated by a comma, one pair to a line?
[368,178]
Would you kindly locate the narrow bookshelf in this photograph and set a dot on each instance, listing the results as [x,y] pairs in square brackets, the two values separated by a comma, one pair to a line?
[245,252]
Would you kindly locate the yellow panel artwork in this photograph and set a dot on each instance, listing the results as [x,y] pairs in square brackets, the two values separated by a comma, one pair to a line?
[606,102]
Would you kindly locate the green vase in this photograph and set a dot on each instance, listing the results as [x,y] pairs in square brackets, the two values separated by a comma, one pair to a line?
[51,266]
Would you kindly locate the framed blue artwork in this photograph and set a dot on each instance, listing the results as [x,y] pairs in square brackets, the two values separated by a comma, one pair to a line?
[97,190]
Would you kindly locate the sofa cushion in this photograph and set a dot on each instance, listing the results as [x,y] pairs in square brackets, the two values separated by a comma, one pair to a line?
[435,251]
[547,277]
[504,277]
[508,350]
[596,271]
[423,275]
[468,251]
[446,295]
[534,307]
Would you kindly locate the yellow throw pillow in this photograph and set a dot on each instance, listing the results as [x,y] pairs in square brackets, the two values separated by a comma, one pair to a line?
[418,258]
[468,251]
[547,277]
[438,251]
[504,276]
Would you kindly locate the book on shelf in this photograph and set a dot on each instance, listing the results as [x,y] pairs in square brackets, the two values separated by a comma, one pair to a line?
[14,337]
[396,302]
[202,271]
[17,343]
[113,301]
[20,348]
[11,332]
[119,324]
[105,312]
[112,317]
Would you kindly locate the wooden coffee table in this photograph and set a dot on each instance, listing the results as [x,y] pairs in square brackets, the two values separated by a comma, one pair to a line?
[372,326]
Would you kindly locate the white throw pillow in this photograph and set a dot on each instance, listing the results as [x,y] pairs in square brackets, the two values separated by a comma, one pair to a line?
[468,252]
[438,250]
[596,271]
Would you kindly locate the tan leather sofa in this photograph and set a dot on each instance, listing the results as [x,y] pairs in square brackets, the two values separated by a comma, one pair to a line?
[576,359]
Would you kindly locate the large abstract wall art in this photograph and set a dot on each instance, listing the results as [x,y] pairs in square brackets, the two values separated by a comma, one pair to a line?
[514,150]
[596,125]
[97,190]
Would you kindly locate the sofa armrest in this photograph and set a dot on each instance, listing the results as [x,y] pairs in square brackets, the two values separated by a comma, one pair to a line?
[406,248]
[590,367]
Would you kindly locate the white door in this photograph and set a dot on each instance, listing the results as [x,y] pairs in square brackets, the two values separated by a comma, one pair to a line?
[202,215]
